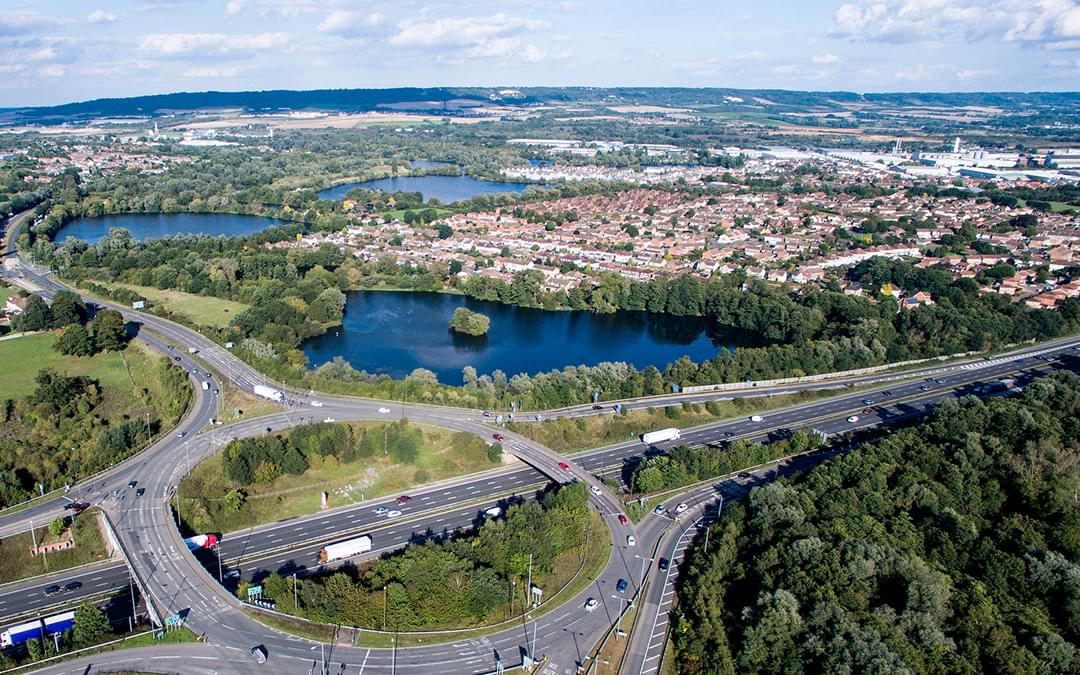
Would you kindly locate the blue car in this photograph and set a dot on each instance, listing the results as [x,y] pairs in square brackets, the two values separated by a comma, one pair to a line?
[621,586]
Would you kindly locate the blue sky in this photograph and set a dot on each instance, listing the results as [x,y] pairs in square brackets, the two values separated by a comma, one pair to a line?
[54,51]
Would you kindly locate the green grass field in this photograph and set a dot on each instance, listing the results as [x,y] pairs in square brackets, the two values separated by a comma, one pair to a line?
[21,358]
[17,563]
[200,309]
[443,454]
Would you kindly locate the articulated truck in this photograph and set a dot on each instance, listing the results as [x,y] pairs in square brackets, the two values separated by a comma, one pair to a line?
[266,392]
[654,437]
[345,549]
[201,541]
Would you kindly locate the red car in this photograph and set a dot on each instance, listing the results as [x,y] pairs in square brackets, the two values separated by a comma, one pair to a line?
[564,466]
[497,437]
[403,499]
[623,520]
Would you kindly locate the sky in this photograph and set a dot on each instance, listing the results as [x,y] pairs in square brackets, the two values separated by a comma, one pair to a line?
[57,51]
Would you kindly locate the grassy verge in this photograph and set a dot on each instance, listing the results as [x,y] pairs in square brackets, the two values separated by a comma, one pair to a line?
[583,433]
[200,309]
[130,641]
[20,361]
[608,658]
[442,454]
[305,629]
[249,405]
[17,563]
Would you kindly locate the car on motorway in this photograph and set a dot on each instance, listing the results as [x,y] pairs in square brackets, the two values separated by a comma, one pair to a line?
[79,508]
[232,574]
[403,499]
[631,540]
[493,512]
[176,358]
[268,429]
[757,418]
[316,404]
[853,419]
[886,393]
[381,510]
[924,387]
[595,490]
[868,401]
[69,505]
[564,466]
[487,414]
[258,652]
[132,483]
[216,392]
[72,586]
[663,565]
[181,434]
[623,520]
[393,513]
[384,411]
[51,590]
[140,492]
[620,587]
[598,407]
[499,438]
[744,474]
[680,507]
[591,604]
[660,509]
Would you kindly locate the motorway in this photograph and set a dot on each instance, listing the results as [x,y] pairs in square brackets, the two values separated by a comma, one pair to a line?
[177,583]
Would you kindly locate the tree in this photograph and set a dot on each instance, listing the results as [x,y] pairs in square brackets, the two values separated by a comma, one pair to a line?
[67,308]
[57,527]
[469,322]
[109,331]
[75,340]
[91,625]
[36,316]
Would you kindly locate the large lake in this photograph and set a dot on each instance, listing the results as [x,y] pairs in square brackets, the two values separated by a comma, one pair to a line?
[444,188]
[395,332]
[158,225]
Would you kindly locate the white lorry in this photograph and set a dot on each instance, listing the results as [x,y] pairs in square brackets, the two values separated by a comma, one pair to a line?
[659,436]
[267,392]
[345,549]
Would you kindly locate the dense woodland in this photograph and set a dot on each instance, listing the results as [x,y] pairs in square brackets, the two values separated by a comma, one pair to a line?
[949,547]
[463,581]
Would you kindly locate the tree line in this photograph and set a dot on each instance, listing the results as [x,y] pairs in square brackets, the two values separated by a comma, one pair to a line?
[949,547]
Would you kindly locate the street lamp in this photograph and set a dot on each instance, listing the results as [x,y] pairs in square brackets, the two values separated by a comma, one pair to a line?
[322,658]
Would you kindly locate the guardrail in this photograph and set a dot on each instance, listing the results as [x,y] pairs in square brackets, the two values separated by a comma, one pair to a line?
[115,539]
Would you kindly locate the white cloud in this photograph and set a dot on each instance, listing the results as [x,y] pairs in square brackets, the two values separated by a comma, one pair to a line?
[235,7]
[495,48]
[100,16]
[213,72]
[340,22]
[825,58]
[51,70]
[174,44]
[750,56]
[918,73]
[460,32]
[1041,22]
[21,23]
[972,74]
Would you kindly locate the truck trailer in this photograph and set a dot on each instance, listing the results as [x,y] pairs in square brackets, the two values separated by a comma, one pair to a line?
[659,436]
[345,549]
[269,393]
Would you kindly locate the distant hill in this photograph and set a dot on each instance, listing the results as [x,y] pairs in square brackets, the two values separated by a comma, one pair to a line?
[458,100]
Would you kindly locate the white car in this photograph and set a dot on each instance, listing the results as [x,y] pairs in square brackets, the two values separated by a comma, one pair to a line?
[316,404]
[681,507]
[853,419]
[757,418]
[381,510]
[329,420]
[660,509]
[591,604]
[595,490]
[384,411]
[630,540]
[393,513]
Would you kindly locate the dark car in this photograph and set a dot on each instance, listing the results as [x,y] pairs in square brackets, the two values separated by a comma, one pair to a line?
[598,407]
[132,483]
[403,499]
[497,437]
[79,508]
[663,565]
[621,586]
[259,653]
[744,474]
[51,590]
[176,358]
[140,492]
[72,586]
[69,505]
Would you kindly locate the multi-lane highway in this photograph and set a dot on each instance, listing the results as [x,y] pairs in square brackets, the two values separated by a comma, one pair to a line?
[177,583]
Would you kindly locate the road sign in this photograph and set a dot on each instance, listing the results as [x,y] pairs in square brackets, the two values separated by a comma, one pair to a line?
[254,590]
[172,620]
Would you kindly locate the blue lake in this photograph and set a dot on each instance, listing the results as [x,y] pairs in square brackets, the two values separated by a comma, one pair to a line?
[394,332]
[158,225]
[446,189]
